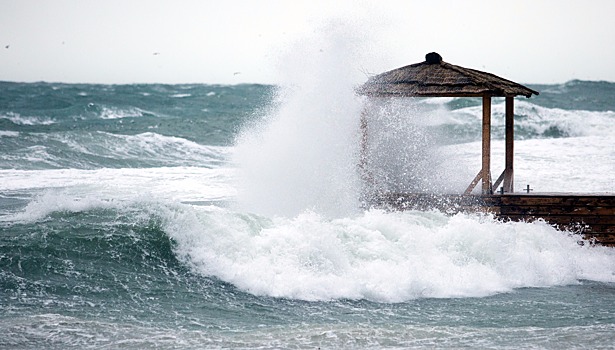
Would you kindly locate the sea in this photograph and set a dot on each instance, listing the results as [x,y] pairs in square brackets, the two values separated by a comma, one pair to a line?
[199,216]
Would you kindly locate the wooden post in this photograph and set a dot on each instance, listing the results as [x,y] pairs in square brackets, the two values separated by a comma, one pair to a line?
[363,154]
[486,169]
[510,141]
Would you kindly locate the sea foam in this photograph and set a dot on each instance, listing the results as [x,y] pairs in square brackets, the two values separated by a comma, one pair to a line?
[5,133]
[18,119]
[386,257]
[120,113]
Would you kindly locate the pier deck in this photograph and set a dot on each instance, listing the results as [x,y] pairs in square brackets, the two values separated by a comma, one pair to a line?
[592,215]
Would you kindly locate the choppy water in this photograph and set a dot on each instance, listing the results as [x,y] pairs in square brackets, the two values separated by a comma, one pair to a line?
[207,216]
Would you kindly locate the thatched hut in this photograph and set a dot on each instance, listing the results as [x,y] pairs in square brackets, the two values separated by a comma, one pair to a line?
[436,78]
[593,215]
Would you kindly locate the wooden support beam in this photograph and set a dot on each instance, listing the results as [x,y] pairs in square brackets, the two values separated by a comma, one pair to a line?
[363,156]
[499,180]
[473,183]
[486,169]
[510,141]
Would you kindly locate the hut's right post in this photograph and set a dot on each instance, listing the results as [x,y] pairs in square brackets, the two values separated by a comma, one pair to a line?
[486,168]
[510,143]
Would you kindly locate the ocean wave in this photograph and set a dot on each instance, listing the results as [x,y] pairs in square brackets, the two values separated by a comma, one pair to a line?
[578,95]
[6,133]
[379,256]
[18,119]
[70,189]
[36,156]
[59,331]
[373,255]
[156,148]
[458,120]
[89,150]
[553,122]
[534,121]
[120,113]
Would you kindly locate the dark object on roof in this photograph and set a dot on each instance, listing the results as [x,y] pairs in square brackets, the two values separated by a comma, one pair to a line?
[436,78]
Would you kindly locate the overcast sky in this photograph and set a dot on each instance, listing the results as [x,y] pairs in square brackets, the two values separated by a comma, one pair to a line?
[232,41]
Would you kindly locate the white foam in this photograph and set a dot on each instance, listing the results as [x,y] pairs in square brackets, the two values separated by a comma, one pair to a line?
[52,201]
[119,113]
[18,119]
[389,257]
[6,133]
[71,189]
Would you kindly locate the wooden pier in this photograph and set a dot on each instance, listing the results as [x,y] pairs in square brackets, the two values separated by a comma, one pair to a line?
[590,215]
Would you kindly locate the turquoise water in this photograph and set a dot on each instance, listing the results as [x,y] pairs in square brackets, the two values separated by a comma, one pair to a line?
[123,224]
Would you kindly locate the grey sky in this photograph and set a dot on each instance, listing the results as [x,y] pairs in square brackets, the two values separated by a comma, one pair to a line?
[234,41]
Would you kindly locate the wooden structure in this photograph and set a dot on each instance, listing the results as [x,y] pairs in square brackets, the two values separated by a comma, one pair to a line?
[592,215]
[436,78]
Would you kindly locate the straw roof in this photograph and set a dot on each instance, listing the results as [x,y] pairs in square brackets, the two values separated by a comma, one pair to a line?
[436,78]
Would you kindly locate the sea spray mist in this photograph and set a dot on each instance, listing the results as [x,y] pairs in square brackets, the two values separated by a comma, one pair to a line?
[303,154]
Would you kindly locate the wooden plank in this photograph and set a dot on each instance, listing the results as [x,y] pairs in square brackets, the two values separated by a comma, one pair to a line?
[602,201]
[563,194]
[563,219]
[572,210]
[477,178]
[599,235]
[603,229]
[507,201]
[609,241]
[497,182]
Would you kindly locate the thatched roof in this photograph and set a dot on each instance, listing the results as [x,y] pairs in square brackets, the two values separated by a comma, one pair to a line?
[436,78]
